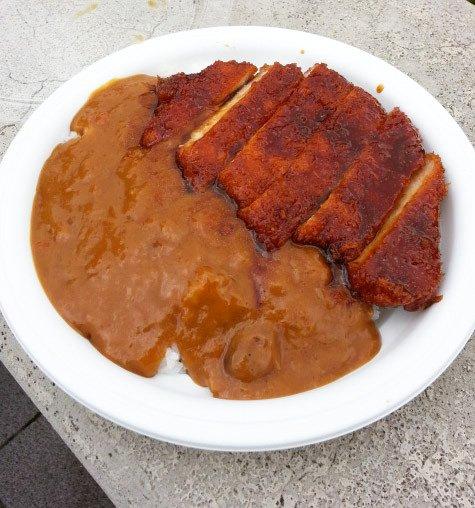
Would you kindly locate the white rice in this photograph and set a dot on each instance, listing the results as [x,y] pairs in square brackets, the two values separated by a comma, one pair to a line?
[376,312]
[171,363]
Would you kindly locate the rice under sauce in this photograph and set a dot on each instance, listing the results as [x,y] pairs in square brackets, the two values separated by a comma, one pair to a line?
[136,263]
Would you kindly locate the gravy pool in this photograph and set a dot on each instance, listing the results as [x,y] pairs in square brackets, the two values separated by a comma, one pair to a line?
[136,263]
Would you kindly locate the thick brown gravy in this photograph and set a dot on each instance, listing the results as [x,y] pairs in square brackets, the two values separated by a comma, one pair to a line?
[136,263]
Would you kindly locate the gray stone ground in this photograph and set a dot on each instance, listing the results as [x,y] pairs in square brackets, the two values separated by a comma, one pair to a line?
[36,466]
[422,455]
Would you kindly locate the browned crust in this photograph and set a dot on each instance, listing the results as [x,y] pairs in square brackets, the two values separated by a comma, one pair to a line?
[202,160]
[402,265]
[353,213]
[185,98]
[293,197]
[275,146]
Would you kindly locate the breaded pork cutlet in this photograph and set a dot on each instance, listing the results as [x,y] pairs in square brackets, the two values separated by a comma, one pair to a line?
[277,144]
[353,213]
[402,265]
[293,197]
[215,143]
[186,99]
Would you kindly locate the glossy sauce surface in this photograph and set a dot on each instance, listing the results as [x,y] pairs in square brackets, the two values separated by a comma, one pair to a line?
[136,263]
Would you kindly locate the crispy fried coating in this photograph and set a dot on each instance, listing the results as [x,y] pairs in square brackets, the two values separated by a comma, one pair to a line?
[353,213]
[213,145]
[184,99]
[293,197]
[402,265]
[274,147]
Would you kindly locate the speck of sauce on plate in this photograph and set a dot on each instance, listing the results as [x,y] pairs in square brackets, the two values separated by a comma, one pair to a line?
[88,9]
[302,51]
[139,38]
[136,263]
[380,88]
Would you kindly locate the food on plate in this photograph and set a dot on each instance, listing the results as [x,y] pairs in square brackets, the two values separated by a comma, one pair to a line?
[402,265]
[137,263]
[185,99]
[292,197]
[140,252]
[215,143]
[298,330]
[354,212]
[274,148]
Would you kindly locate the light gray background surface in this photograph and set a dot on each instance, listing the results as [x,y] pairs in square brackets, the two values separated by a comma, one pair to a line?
[422,455]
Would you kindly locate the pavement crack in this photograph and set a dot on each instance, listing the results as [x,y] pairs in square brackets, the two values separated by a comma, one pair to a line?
[40,89]
[18,101]
[195,14]
[460,45]
[334,456]
[3,128]
[35,82]
[32,101]
[120,27]
[26,22]
[21,429]
[152,31]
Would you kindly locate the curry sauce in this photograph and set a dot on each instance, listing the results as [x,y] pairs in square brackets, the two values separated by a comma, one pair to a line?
[136,263]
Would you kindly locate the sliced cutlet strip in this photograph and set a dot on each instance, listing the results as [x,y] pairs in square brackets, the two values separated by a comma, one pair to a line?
[187,99]
[353,213]
[293,197]
[215,143]
[275,146]
[402,265]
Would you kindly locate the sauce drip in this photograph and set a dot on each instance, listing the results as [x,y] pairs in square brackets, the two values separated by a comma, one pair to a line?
[136,263]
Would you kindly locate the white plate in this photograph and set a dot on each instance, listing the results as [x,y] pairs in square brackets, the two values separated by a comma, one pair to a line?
[416,348]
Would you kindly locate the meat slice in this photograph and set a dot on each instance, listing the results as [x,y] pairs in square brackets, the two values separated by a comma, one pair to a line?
[185,99]
[353,213]
[402,265]
[292,198]
[275,146]
[215,143]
